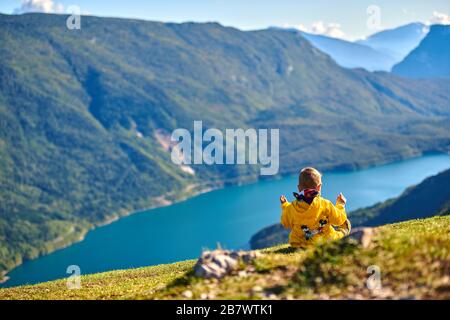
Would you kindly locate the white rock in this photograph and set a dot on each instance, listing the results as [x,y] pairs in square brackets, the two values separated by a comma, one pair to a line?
[363,236]
[218,263]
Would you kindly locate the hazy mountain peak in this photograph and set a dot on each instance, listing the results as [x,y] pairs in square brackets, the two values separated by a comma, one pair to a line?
[397,42]
[430,58]
[379,52]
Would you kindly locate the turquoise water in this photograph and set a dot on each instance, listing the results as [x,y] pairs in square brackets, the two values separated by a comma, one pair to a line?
[229,216]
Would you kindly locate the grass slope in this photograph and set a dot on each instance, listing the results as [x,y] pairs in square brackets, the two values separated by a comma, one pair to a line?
[413,257]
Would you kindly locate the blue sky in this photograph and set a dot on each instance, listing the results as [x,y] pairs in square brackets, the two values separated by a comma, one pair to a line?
[346,18]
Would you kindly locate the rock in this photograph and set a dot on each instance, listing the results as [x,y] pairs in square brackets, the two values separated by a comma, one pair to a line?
[246,256]
[257,289]
[3,279]
[323,296]
[382,293]
[242,274]
[363,236]
[225,262]
[210,270]
[276,278]
[218,263]
[188,294]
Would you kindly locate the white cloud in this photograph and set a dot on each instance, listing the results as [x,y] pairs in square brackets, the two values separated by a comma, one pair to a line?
[331,29]
[45,6]
[319,27]
[439,18]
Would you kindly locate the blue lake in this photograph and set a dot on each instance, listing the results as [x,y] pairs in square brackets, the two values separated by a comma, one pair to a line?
[229,216]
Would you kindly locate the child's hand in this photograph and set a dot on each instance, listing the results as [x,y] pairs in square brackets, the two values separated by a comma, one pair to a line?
[341,199]
[283,199]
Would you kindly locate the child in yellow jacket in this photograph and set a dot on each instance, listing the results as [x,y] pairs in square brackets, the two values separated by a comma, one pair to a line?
[311,218]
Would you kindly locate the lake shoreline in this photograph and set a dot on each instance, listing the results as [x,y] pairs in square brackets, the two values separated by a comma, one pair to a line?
[188,193]
[114,218]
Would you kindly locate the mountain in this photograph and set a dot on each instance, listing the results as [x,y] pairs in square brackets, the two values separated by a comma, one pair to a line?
[428,198]
[352,55]
[348,54]
[417,251]
[397,42]
[430,58]
[379,52]
[85,117]
[270,236]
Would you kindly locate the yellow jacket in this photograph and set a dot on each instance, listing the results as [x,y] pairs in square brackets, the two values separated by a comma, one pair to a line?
[312,223]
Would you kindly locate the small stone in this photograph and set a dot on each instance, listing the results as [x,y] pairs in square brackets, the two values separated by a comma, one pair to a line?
[242,274]
[444,281]
[188,294]
[276,278]
[214,271]
[363,236]
[257,289]
[211,295]
[324,296]
[218,263]
[251,269]
[383,293]
[204,296]
[225,262]
[247,257]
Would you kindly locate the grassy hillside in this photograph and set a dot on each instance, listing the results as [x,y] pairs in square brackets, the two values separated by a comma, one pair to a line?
[428,198]
[80,109]
[413,257]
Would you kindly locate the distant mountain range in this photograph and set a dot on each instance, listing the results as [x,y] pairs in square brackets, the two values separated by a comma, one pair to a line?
[397,42]
[429,198]
[352,55]
[431,58]
[379,52]
[85,115]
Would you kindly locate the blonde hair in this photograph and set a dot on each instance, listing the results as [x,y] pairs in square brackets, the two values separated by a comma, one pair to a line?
[309,178]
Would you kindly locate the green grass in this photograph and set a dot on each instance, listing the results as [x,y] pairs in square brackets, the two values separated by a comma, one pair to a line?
[121,284]
[413,257]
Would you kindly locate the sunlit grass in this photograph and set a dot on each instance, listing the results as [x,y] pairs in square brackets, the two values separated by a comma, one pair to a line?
[413,257]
